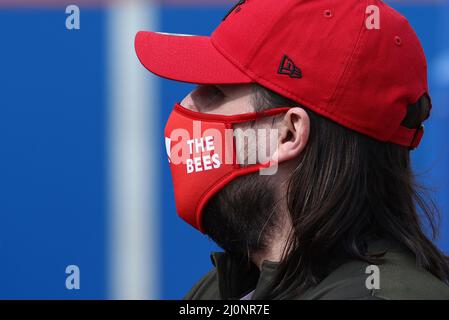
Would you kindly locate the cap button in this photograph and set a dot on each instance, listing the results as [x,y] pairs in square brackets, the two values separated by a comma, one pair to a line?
[327,13]
[397,40]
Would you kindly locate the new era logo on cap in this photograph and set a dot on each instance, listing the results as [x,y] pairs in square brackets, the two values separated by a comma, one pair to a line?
[289,68]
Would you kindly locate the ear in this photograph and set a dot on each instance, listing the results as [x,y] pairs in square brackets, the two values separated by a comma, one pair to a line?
[293,134]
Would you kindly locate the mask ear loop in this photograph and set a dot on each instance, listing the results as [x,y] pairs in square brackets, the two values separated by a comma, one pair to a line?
[237,118]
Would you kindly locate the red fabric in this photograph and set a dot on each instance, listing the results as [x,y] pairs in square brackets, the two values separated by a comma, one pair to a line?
[186,58]
[360,78]
[194,189]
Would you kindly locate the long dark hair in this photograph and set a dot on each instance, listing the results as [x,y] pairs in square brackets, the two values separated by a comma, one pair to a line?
[346,189]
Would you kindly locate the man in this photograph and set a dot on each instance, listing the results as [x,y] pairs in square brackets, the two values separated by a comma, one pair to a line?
[331,211]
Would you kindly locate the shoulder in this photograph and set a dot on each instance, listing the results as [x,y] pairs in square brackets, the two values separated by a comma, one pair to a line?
[206,288]
[402,279]
[398,278]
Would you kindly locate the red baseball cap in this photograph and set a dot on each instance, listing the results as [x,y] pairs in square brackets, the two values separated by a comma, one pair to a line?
[358,63]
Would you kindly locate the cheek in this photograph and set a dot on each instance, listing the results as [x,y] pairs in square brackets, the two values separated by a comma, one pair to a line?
[267,143]
[245,144]
[255,144]
[241,143]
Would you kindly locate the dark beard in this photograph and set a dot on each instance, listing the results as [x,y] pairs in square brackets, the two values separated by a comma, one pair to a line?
[240,217]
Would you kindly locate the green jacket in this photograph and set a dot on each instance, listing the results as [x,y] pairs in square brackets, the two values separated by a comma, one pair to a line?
[399,278]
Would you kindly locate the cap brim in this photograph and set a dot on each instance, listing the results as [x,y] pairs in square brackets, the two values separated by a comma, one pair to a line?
[183,58]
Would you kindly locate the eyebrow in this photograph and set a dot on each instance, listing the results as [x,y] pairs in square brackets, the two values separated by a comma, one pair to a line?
[223,87]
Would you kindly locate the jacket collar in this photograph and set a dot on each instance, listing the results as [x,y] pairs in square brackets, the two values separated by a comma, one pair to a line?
[237,276]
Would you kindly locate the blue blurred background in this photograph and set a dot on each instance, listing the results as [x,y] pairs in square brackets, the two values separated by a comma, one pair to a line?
[84,178]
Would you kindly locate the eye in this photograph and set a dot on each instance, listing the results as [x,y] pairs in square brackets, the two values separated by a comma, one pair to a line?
[217,91]
[207,96]
[209,91]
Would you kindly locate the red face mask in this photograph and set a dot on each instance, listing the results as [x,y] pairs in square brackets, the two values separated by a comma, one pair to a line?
[202,156]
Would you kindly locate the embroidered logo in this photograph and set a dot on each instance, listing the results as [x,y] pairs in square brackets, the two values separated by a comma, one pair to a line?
[289,68]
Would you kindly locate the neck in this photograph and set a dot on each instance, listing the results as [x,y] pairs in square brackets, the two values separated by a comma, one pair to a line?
[274,251]
[273,254]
